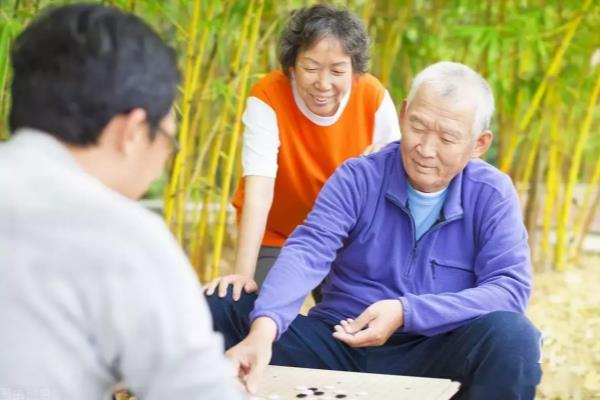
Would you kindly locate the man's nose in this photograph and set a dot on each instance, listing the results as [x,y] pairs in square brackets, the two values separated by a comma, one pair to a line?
[427,146]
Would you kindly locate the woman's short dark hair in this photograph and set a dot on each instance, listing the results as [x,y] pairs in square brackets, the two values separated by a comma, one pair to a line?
[309,25]
[78,66]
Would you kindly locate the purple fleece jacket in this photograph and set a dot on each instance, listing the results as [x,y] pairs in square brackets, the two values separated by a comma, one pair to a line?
[360,238]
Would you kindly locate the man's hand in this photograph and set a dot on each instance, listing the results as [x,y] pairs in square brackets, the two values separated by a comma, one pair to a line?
[252,355]
[238,282]
[374,326]
[373,148]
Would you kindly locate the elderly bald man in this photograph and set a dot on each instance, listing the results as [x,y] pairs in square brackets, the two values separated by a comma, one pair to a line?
[423,254]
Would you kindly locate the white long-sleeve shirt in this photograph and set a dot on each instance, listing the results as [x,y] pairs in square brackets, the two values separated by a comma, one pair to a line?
[94,290]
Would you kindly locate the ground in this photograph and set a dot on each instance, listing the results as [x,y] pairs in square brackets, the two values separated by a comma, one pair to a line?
[566,308]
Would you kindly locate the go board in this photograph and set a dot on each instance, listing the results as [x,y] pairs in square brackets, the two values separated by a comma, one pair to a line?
[289,383]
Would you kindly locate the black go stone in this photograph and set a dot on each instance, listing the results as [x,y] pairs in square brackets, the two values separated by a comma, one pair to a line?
[340,396]
[300,395]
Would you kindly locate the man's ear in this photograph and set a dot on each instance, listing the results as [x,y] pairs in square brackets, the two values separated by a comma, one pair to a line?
[403,109]
[132,130]
[482,144]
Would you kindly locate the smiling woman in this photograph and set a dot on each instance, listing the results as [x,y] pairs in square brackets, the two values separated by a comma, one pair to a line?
[323,76]
[301,122]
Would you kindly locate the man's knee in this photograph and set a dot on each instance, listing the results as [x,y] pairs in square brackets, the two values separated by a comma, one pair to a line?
[509,338]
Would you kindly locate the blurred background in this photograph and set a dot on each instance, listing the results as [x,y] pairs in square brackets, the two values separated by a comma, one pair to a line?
[542,59]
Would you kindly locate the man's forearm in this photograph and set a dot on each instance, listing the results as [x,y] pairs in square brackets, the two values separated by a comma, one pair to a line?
[263,329]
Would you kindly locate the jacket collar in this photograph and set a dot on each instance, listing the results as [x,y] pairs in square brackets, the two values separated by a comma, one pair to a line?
[398,189]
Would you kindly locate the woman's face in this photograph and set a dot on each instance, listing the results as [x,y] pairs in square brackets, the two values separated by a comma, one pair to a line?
[323,75]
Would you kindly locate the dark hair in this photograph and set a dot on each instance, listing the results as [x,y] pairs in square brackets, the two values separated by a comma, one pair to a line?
[309,25]
[78,66]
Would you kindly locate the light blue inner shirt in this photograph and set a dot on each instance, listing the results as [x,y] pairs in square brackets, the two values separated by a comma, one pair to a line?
[425,208]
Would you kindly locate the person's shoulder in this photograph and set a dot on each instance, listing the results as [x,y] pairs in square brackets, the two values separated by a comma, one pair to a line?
[377,163]
[368,88]
[138,226]
[485,176]
[273,81]
[370,81]
[369,84]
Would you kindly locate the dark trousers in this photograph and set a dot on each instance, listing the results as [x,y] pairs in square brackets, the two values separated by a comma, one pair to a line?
[493,357]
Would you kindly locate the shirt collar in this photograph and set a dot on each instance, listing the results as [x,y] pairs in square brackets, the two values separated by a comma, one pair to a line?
[398,189]
[46,144]
[317,119]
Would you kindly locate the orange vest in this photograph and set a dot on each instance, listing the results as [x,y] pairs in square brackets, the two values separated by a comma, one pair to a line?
[309,153]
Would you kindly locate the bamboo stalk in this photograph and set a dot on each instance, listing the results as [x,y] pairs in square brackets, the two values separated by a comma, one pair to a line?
[551,72]
[226,182]
[560,250]
[216,148]
[532,153]
[171,193]
[5,36]
[552,178]
[191,135]
[586,212]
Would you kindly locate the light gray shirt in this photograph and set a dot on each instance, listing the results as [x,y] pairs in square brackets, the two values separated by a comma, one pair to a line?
[95,290]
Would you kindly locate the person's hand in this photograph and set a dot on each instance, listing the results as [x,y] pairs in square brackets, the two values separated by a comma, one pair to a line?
[251,356]
[374,326]
[373,148]
[238,282]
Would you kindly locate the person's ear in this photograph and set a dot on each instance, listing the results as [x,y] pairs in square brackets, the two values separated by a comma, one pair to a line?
[482,144]
[403,109]
[133,130]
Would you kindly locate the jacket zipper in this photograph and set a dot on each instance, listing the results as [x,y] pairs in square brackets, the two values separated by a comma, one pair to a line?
[415,243]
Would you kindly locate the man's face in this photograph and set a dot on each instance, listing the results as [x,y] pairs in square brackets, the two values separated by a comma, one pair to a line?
[153,154]
[437,140]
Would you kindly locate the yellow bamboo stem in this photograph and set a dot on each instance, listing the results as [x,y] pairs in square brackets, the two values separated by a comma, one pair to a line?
[5,37]
[532,154]
[552,180]
[560,250]
[171,192]
[226,182]
[586,212]
[551,72]
[201,238]
[192,135]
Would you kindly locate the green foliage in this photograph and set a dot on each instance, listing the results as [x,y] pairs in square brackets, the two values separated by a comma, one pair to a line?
[527,49]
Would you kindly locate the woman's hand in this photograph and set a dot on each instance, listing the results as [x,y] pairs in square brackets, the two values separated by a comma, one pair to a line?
[239,283]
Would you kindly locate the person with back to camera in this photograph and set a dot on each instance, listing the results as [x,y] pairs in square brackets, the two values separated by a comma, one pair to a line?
[94,290]
[301,122]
